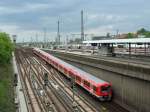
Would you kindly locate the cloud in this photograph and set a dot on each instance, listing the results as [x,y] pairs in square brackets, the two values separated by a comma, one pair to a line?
[101,30]
[9,28]
[36,7]
[5,10]
[27,35]
[106,17]
[26,17]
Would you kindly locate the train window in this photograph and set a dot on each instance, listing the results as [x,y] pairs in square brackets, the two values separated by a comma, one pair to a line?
[56,64]
[65,69]
[78,78]
[94,88]
[60,66]
[87,83]
[105,88]
[72,76]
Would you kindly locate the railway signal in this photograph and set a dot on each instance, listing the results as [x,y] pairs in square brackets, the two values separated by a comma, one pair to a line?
[45,79]
[15,79]
[74,105]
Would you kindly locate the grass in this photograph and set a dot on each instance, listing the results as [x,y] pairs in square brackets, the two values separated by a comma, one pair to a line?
[6,89]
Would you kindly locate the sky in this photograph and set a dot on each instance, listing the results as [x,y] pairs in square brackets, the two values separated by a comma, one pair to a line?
[28,19]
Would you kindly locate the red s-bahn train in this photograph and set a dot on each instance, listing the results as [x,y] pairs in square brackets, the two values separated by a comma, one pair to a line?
[97,87]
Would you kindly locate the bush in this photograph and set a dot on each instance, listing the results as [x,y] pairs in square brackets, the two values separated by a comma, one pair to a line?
[6,89]
[6,48]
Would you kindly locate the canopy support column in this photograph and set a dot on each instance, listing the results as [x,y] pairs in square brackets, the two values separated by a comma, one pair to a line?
[113,52]
[129,49]
[145,48]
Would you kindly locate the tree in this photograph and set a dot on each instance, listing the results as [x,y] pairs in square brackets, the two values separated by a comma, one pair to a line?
[130,35]
[142,31]
[6,48]
[147,34]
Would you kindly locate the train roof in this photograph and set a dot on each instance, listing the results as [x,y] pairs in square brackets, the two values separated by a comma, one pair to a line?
[123,41]
[83,73]
[79,72]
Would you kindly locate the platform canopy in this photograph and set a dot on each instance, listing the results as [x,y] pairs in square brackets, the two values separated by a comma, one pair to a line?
[119,41]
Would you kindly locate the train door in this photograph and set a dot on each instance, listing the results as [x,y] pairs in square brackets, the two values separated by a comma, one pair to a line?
[59,67]
[95,90]
[78,80]
[72,75]
[63,70]
[87,85]
[91,87]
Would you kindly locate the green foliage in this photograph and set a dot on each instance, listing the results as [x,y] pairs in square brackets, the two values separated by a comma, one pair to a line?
[130,35]
[6,89]
[147,34]
[6,48]
[144,32]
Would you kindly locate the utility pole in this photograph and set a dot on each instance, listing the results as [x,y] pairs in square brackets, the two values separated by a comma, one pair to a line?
[66,43]
[45,80]
[82,26]
[36,37]
[44,35]
[30,39]
[58,34]
[23,40]
[117,32]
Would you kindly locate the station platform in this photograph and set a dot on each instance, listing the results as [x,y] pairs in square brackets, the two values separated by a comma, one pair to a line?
[124,58]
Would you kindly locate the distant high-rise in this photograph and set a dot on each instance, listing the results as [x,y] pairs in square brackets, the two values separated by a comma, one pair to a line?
[44,35]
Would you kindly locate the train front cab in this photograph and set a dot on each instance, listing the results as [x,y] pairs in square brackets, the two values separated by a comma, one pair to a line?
[104,92]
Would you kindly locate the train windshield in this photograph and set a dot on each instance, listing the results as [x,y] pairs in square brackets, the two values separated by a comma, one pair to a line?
[105,88]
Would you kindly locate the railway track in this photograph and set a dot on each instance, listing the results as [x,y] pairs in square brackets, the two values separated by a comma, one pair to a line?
[56,88]
[81,104]
[49,97]
[66,92]
[32,100]
[58,93]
